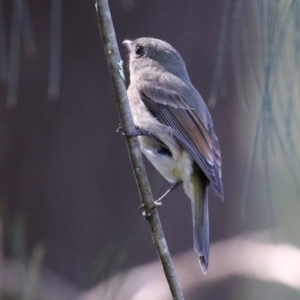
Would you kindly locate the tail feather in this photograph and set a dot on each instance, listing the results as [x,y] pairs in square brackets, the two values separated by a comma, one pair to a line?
[200,214]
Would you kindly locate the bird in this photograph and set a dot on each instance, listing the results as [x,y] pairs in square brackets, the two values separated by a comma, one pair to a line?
[175,129]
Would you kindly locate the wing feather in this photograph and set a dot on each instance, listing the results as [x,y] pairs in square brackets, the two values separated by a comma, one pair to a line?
[196,137]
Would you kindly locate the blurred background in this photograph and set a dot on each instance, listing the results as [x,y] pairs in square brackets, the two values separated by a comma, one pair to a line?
[70,227]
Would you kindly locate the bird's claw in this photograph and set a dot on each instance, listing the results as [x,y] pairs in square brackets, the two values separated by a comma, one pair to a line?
[146,215]
[121,130]
[158,203]
[135,132]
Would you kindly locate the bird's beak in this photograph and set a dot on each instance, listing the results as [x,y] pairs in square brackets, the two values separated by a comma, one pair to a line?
[128,44]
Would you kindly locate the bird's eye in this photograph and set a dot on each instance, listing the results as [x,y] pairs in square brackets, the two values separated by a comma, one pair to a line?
[139,51]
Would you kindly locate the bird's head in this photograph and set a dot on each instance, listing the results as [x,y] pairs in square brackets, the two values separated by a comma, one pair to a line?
[154,54]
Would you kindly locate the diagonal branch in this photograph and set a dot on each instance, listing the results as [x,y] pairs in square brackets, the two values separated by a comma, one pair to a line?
[116,71]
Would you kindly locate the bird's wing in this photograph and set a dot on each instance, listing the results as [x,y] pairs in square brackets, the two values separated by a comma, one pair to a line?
[171,108]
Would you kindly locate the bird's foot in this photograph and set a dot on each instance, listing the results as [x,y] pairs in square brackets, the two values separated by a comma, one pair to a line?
[147,216]
[172,188]
[137,132]
[122,131]
[157,203]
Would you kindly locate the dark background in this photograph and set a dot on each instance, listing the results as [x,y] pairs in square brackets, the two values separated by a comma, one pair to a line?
[65,176]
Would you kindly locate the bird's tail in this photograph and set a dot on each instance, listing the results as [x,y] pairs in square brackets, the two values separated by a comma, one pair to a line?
[199,198]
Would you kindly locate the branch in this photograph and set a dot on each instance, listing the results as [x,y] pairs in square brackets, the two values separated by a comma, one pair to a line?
[116,71]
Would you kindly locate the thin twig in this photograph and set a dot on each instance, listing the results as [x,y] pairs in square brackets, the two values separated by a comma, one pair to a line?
[116,71]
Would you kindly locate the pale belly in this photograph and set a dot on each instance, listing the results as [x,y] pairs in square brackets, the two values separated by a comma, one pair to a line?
[177,167]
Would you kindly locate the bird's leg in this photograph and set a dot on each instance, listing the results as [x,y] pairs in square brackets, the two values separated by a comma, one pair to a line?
[137,132]
[158,202]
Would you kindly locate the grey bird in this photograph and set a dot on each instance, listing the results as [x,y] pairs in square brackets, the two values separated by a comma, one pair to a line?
[175,128]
